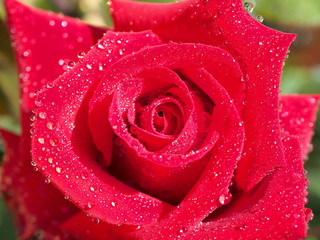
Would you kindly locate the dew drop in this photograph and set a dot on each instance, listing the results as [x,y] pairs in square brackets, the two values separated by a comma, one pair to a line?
[49,126]
[42,115]
[121,52]
[96,220]
[90,205]
[47,180]
[100,46]
[101,68]
[58,170]
[50,160]
[26,53]
[248,6]
[92,189]
[113,204]
[222,199]
[41,140]
[89,66]
[52,143]
[81,54]
[38,103]
[71,64]
[260,18]
[64,23]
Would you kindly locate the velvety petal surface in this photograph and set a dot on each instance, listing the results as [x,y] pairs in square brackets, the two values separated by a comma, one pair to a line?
[298,116]
[44,43]
[63,148]
[38,207]
[259,50]
[273,209]
[37,34]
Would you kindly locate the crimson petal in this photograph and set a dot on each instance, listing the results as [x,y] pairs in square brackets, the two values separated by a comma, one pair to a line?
[37,206]
[274,209]
[44,43]
[61,144]
[297,117]
[259,50]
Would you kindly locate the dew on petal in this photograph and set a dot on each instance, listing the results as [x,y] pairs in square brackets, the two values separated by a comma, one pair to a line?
[259,18]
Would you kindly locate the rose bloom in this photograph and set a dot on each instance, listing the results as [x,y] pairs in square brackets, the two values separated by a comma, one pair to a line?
[169,126]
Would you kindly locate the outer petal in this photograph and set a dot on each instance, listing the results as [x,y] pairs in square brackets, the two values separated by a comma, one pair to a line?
[259,50]
[44,43]
[62,144]
[36,35]
[274,209]
[297,117]
[37,206]
[82,227]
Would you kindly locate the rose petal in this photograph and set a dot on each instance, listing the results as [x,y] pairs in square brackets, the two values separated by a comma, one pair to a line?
[44,43]
[66,141]
[297,117]
[259,50]
[37,205]
[82,227]
[274,209]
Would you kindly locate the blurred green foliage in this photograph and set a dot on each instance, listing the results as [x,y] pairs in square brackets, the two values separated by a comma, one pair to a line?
[301,73]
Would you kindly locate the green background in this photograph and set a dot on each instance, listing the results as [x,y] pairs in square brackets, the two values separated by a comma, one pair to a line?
[301,73]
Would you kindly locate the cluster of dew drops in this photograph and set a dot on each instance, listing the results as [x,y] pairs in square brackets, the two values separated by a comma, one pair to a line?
[249,6]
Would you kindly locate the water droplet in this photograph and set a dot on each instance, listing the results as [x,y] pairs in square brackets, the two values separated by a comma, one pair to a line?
[101,68]
[52,23]
[81,54]
[38,103]
[26,53]
[222,199]
[58,170]
[47,180]
[71,64]
[89,205]
[33,163]
[96,220]
[84,175]
[100,46]
[42,115]
[121,52]
[61,62]
[49,126]
[32,118]
[41,140]
[260,18]
[50,160]
[92,189]
[64,23]
[248,6]
[52,142]
[113,204]
[89,66]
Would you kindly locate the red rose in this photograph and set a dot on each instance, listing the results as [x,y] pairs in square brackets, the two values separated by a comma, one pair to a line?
[173,133]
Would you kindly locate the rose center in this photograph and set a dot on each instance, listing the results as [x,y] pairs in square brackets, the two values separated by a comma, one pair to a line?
[161,114]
